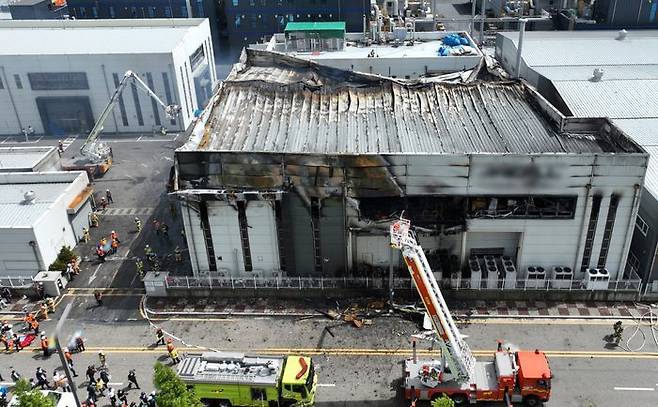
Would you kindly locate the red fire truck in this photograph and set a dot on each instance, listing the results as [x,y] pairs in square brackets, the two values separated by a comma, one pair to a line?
[512,376]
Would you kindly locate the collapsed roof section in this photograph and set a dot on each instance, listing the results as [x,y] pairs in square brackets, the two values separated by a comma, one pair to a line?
[273,103]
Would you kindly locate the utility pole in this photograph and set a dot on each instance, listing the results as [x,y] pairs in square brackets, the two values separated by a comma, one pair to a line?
[62,358]
[473,4]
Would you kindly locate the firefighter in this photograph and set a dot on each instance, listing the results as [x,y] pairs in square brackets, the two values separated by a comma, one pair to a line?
[156,226]
[138,225]
[108,196]
[43,309]
[34,324]
[114,246]
[103,203]
[85,235]
[149,253]
[45,345]
[102,359]
[178,255]
[93,219]
[60,147]
[173,352]
[99,298]
[69,361]
[51,304]
[114,236]
[161,337]
[79,344]
[618,329]
[139,265]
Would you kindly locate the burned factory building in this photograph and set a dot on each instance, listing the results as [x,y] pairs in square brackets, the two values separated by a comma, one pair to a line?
[296,169]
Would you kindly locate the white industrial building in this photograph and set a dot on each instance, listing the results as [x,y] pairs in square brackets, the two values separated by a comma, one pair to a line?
[298,169]
[602,74]
[400,54]
[39,213]
[58,75]
[29,159]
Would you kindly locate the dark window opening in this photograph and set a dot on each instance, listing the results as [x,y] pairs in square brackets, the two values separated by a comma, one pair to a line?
[258,394]
[244,235]
[19,83]
[591,233]
[525,207]
[165,81]
[122,106]
[154,104]
[607,232]
[58,80]
[429,212]
[138,107]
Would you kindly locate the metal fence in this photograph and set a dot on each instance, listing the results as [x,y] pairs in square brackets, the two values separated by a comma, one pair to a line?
[323,283]
[16,282]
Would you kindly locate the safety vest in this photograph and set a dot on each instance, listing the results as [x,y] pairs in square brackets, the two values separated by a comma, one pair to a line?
[44,343]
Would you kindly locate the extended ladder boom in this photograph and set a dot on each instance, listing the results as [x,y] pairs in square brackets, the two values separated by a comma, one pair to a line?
[98,152]
[456,351]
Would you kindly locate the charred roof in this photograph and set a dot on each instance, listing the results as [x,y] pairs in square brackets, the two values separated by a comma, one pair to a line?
[273,103]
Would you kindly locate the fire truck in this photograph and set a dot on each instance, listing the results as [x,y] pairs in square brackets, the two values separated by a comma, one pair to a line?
[512,376]
[225,379]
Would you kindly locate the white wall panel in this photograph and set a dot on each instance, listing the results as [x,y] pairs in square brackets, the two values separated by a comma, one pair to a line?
[262,237]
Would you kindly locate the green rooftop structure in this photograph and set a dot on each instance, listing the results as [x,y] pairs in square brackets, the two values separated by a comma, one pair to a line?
[315,36]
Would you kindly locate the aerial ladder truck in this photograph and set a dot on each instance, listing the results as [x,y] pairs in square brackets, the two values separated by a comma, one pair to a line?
[512,376]
[97,156]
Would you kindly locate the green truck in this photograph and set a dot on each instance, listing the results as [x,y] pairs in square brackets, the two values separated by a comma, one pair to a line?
[226,379]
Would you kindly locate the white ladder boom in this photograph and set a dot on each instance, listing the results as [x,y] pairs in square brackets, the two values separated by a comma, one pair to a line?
[460,358]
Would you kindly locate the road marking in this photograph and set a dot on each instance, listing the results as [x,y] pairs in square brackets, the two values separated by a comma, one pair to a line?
[635,388]
[128,211]
[7,383]
[397,353]
[139,138]
[115,384]
[326,384]
[67,142]
[93,276]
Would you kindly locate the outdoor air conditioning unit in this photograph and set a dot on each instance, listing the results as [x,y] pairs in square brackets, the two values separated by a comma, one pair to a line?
[455,279]
[492,274]
[535,277]
[476,271]
[597,279]
[510,274]
[562,277]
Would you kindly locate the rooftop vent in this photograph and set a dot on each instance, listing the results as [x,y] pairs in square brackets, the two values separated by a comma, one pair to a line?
[597,75]
[622,35]
[29,197]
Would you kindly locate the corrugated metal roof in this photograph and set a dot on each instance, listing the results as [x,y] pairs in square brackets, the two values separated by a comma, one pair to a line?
[311,111]
[609,98]
[15,212]
[573,48]
[643,131]
[610,72]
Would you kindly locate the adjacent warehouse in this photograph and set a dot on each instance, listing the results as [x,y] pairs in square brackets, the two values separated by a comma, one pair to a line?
[60,89]
[298,169]
[29,159]
[602,74]
[39,213]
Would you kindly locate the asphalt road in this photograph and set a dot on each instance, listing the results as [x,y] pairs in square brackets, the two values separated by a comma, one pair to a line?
[362,367]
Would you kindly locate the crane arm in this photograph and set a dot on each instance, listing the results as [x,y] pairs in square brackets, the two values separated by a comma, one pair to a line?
[91,147]
[458,355]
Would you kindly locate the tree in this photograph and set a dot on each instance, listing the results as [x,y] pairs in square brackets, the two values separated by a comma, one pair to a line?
[443,401]
[172,392]
[28,397]
[63,258]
